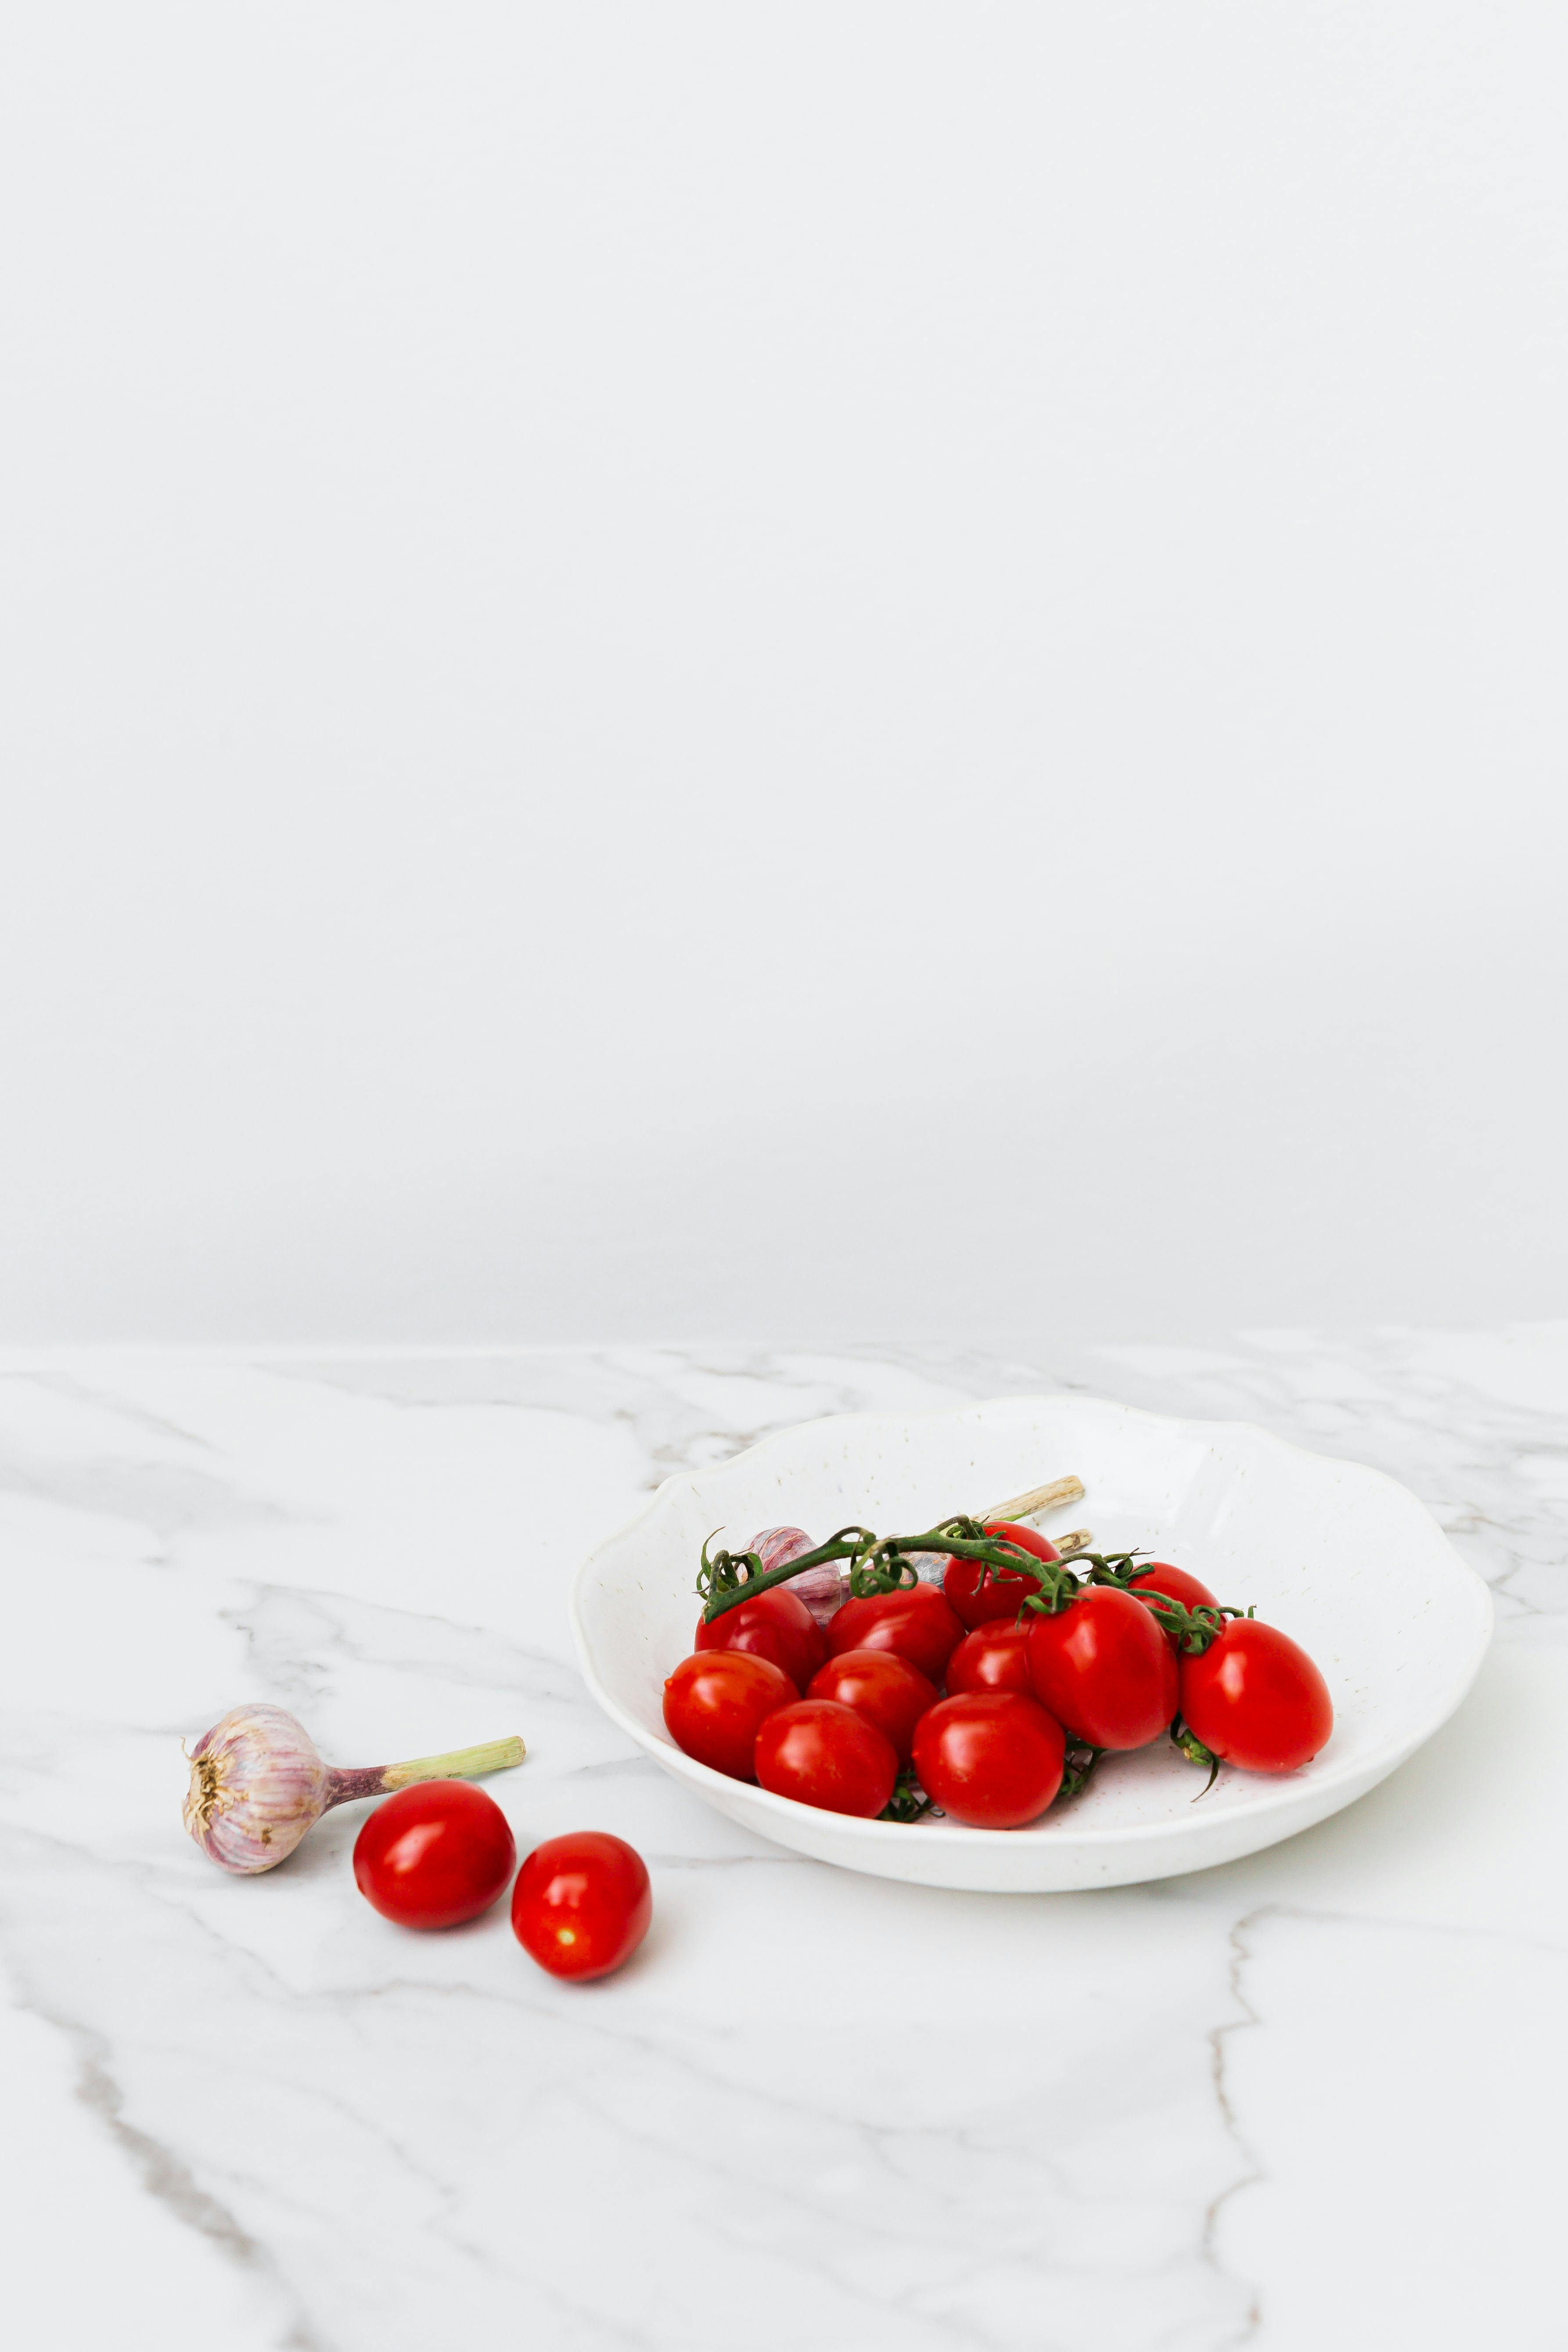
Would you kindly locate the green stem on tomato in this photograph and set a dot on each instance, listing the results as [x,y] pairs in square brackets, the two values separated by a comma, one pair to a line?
[1061,1582]
[1195,1630]
[881,1564]
[908,1802]
[720,1585]
[1192,1749]
[878,1563]
[1076,1777]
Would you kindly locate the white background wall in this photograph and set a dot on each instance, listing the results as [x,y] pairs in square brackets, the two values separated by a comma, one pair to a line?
[815,671]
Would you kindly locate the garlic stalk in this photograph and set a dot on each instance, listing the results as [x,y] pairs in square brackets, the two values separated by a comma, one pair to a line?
[257,1784]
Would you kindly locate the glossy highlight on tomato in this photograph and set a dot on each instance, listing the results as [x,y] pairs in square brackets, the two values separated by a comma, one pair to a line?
[1104,1669]
[992,1759]
[1256,1698]
[916,1621]
[976,1593]
[882,1686]
[996,1656]
[776,1625]
[822,1753]
[581,1903]
[716,1701]
[435,1855]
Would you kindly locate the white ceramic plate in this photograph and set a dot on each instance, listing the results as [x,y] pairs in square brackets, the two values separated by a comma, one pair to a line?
[1338,1556]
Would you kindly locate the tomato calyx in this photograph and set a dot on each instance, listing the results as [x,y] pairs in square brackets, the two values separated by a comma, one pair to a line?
[909,1801]
[1079,1770]
[1193,1630]
[1192,1749]
[1058,1589]
[870,1578]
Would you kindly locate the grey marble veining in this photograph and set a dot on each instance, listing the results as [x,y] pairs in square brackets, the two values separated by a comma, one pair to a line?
[819,2110]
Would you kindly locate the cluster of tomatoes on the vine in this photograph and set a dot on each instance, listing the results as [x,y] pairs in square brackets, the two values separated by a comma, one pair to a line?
[840,1703]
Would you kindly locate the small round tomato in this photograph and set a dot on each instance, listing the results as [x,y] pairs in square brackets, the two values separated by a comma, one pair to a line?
[716,1702]
[1175,1584]
[776,1625]
[581,1903]
[1104,1669]
[883,1688]
[435,1855]
[996,1656]
[992,1759]
[977,1592]
[823,1753]
[915,1621]
[1256,1698]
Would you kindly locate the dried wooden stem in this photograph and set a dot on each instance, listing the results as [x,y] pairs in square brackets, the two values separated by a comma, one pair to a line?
[1037,1498]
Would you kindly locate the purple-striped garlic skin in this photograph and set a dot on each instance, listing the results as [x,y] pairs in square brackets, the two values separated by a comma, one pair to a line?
[257,1785]
[821,1588]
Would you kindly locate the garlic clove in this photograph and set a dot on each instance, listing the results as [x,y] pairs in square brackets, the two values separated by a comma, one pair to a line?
[821,1588]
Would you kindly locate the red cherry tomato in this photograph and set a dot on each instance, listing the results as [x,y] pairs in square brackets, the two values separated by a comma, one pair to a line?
[977,1593]
[822,1753]
[1255,1699]
[716,1701]
[883,1688]
[581,1903]
[916,1621]
[776,1625]
[1175,1584]
[996,1656]
[1104,1669]
[435,1855]
[992,1759]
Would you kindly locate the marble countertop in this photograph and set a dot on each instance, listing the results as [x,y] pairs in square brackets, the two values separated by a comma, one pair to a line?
[1312,2097]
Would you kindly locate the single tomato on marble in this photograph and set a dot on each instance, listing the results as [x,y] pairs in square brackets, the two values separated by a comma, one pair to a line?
[435,1855]
[581,1903]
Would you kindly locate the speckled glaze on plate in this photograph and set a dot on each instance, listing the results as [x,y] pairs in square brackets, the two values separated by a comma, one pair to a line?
[1338,1556]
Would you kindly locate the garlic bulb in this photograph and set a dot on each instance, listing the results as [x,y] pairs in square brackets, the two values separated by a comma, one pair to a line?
[821,1588]
[257,1784]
